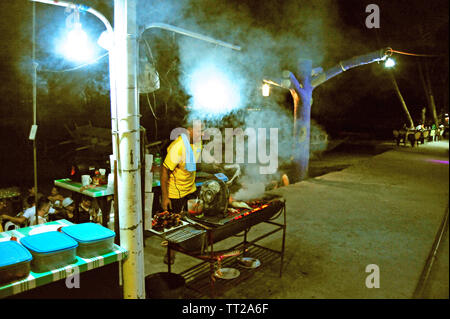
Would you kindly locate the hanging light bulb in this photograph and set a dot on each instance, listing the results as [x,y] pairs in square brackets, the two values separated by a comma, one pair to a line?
[389,63]
[77,46]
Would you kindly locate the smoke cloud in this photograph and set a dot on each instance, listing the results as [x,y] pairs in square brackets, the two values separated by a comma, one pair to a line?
[273,36]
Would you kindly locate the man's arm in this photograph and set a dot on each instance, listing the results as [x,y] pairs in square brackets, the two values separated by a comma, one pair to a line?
[16,220]
[165,201]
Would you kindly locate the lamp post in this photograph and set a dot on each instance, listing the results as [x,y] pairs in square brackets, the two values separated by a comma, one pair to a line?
[34,127]
[125,137]
[123,57]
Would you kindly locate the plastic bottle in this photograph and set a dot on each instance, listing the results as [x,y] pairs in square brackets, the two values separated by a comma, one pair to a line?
[158,159]
[157,167]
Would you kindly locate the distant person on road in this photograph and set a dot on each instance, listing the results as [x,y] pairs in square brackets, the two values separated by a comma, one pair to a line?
[433,133]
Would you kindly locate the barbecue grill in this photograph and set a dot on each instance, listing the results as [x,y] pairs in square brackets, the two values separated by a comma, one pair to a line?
[202,233]
[194,237]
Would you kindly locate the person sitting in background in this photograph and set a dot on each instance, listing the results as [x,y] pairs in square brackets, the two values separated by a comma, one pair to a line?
[96,213]
[30,193]
[43,207]
[2,206]
[55,198]
[22,218]
[59,211]
[85,210]
[29,215]
[69,211]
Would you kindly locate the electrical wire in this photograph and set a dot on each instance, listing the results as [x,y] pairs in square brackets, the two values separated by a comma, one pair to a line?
[413,54]
[151,108]
[149,50]
[77,67]
[154,98]
[156,129]
[175,183]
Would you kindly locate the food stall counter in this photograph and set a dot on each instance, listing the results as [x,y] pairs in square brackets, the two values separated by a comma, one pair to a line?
[82,265]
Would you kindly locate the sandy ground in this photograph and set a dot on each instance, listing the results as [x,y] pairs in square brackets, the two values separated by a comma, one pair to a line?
[382,209]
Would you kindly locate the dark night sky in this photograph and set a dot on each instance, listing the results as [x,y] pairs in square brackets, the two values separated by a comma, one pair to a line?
[273,35]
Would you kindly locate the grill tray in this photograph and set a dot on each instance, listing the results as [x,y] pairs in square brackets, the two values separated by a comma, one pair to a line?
[189,237]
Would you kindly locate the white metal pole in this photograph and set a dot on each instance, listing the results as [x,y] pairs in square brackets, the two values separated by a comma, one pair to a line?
[128,155]
[125,138]
[35,115]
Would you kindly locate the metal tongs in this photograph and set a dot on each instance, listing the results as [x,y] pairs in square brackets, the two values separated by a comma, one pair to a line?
[196,223]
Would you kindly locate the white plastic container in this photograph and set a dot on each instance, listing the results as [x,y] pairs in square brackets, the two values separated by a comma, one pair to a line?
[93,239]
[50,250]
[14,262]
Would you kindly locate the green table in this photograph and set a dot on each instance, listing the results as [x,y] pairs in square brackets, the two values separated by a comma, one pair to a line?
[98,193]
[91,190]
[35,280]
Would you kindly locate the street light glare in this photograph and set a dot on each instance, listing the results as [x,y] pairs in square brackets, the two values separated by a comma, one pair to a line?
[213,91]
[389,63]
[77,46]
[265,89]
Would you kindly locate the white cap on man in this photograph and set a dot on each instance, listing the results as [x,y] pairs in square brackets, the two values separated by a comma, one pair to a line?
[67,201]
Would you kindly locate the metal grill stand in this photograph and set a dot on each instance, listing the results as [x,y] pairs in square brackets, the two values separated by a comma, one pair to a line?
[200,276]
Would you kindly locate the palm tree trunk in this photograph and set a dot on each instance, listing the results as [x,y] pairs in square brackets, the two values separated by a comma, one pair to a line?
[428,92]
[402,101]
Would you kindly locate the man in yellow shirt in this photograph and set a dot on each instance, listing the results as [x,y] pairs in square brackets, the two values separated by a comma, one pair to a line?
[178,172]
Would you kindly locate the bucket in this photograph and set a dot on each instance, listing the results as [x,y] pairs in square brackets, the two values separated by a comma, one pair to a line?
[195,207]
[165,285]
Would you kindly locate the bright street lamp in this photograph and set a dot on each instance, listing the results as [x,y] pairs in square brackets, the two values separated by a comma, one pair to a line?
[77,46]
[266,89]
[389,63]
